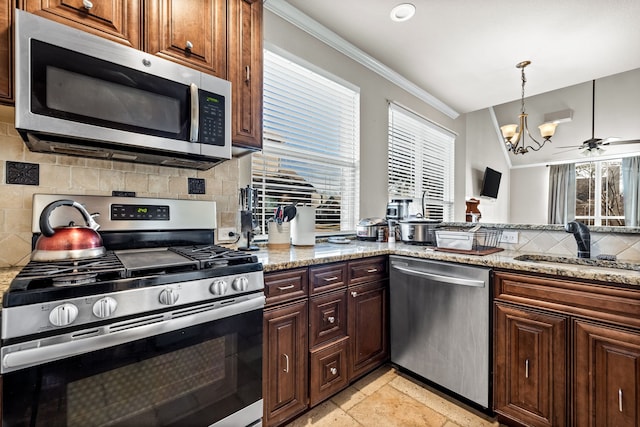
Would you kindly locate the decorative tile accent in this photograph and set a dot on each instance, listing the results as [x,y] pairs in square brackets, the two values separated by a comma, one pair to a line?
[196,186]
[23,173]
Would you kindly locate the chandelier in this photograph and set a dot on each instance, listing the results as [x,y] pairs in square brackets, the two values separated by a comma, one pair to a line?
[514,136]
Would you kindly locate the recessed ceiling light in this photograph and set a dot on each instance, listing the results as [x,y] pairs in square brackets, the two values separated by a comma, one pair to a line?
[403,12]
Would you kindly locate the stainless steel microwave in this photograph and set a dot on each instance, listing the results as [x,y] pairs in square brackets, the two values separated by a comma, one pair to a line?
[82,95]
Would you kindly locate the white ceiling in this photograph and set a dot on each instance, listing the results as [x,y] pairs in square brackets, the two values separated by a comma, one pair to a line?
[464,52]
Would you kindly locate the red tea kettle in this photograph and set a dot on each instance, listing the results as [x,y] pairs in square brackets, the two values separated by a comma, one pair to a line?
[68,242]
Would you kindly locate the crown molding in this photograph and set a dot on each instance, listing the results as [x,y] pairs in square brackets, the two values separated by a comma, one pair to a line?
[294,16]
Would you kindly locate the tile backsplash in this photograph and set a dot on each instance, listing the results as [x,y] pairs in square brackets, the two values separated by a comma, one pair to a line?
[74,175]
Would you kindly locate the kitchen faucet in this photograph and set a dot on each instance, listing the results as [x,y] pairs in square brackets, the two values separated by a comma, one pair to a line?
[583,237]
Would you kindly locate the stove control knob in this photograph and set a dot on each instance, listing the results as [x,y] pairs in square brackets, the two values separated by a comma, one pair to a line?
[104,307]
[169,296]
[63,314]
[219,287]
[240,284]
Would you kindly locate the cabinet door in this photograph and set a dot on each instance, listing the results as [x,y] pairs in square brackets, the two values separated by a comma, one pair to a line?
[327,317]
[6,50]
[328,371]
[530,366]
[117,20]
[190,32]
[244,70]
[607,376]
[285,381]
[368,327]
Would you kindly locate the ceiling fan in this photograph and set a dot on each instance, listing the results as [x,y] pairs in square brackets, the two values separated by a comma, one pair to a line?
[594,145]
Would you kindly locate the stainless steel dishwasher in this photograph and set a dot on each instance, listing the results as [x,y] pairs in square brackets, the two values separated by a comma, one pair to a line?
[440,324]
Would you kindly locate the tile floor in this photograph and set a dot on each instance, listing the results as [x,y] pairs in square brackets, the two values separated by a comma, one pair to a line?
[389,398]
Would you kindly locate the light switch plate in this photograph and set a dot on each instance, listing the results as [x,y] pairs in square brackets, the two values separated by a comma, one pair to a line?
[509,237]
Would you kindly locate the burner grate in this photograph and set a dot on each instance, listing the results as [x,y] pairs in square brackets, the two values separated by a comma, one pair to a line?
[36,275]
[213,256]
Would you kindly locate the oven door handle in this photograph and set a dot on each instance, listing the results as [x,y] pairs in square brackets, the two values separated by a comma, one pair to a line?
[37,352]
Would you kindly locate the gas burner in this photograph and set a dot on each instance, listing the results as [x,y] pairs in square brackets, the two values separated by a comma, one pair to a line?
[74,279]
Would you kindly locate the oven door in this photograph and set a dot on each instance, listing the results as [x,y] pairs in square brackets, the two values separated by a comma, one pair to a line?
[200,367]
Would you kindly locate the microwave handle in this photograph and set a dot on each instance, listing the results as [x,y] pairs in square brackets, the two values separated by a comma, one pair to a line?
[195,114]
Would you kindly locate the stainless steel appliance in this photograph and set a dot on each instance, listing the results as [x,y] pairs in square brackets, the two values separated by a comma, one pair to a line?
[164,329]
[440,324]
[398,209]
[370,228]
[418,230]
[79,94]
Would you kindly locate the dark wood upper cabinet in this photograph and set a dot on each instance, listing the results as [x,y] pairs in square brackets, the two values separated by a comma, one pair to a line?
[116,20]
[190,32]
[244,70]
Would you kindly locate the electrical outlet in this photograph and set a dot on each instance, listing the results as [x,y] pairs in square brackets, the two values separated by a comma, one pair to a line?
[226,234]
[509,237]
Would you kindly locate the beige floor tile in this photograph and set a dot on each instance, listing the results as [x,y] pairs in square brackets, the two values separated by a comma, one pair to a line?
[376,380]
[458,413]
[348,398]
[389,407]
[326,414]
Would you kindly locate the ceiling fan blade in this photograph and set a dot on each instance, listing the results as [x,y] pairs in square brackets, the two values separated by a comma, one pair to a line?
[626,141]
[570,146]
[574,149]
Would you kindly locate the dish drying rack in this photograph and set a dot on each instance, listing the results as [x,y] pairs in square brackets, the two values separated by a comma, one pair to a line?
[474,241]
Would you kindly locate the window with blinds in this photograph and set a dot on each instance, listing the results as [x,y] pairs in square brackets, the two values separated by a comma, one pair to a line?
[310,152]
[421,157]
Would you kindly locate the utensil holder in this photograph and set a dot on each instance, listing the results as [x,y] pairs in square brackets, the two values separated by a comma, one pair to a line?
[279,235]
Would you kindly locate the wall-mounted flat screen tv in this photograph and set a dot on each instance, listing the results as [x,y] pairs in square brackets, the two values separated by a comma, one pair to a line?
[490,183]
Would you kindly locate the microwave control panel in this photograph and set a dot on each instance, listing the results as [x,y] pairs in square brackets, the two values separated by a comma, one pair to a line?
[211,118]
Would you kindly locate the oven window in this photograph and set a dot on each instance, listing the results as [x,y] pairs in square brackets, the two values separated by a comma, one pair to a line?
[195,376]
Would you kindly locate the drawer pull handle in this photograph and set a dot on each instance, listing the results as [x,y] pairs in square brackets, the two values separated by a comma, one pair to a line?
[331,319]
[372,270]
[330,279]
[286,361]
[333,371]
[354,294]
[620,399]
[284,288]
[526,368]
[247,74]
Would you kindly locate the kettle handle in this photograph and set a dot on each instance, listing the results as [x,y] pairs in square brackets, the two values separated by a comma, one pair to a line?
[46,227]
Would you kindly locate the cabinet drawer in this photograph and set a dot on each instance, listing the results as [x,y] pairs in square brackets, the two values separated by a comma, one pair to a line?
[285,285]
[605,302]
[327,317]
[328,371]
[327,277]
[368,270]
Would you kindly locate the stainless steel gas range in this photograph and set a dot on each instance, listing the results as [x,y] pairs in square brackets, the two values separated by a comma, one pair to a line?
[164,328]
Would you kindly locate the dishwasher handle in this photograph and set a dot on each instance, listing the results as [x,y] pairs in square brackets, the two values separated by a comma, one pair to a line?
[451,280]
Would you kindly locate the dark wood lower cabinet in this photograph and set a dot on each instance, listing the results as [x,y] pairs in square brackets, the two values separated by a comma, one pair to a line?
[368,327]
[606,375]
[285,362]
[329,372]
[530,366]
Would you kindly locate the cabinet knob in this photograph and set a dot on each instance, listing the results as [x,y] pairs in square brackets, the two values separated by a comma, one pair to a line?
[331,319]
[189,45]
[354,294]
[87,4]
[333,371]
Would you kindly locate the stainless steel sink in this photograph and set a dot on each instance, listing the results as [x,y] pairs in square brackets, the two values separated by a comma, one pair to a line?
[590,262]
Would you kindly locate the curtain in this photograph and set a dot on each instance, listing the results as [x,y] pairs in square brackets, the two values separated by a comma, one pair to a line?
[562,193]
[631,186]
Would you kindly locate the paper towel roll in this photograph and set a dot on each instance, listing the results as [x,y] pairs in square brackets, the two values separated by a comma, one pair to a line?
[303,227]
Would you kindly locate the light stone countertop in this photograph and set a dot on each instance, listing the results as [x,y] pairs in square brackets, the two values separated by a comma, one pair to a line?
[322,253]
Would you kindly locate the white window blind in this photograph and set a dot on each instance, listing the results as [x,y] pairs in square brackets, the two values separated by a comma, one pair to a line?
[421,156]
[311,145]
